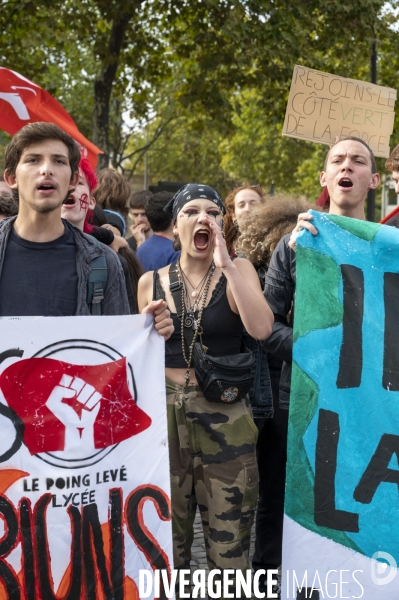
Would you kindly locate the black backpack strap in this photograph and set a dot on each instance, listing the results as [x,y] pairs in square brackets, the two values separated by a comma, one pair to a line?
[175,286]
[96,283]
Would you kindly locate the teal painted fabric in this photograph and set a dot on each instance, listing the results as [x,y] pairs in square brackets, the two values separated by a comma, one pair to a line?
[343,444]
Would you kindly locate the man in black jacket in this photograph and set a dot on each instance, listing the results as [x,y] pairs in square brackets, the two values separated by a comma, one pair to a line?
[349,172]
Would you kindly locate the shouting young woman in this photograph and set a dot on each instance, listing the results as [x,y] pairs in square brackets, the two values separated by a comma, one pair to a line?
[212,435]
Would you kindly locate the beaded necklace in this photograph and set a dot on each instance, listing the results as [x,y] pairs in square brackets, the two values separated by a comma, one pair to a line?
[187,320]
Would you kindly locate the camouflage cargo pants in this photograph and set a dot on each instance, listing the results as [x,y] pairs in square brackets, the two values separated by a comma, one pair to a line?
[213,465]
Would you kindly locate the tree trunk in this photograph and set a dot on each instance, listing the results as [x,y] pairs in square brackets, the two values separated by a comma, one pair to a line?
[103,86]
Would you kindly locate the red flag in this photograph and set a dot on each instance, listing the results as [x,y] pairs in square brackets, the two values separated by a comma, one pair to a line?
[23,102]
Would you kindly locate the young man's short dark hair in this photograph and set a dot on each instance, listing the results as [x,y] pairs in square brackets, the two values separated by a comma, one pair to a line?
[139,199]
[112,191]
[34,133]
[156,216]
[356,139]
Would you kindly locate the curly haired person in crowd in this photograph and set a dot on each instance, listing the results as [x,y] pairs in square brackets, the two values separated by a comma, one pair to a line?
[239,204]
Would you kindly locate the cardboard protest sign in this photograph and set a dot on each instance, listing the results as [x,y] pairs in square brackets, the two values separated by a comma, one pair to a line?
[342,504]
[84,469]
[322,107]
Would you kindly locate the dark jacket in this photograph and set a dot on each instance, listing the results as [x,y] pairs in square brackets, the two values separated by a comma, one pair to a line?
[279,292]
[115,296]
[129,286]
[260,395]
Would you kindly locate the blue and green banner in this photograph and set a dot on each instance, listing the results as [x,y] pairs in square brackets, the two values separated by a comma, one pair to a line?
[341,529]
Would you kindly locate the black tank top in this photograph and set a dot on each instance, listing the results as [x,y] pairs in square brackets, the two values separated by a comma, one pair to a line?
[222,327]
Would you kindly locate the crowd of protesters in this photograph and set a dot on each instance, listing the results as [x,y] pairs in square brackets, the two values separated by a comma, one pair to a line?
[232,263]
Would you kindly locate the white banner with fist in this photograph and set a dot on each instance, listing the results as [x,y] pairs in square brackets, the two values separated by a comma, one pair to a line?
[84,470]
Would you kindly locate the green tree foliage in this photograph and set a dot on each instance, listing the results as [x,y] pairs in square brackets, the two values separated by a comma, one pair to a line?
[257,151]
[44,42]
[190,150]
[233,65]
[99,58]
[210,76]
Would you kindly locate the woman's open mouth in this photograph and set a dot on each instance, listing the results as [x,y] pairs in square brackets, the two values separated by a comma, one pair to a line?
[201,239]
[70,201]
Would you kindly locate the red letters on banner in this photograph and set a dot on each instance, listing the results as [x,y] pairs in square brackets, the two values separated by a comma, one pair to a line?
[96,569]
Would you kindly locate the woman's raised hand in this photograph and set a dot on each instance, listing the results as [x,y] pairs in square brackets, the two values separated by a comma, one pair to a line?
[221,257]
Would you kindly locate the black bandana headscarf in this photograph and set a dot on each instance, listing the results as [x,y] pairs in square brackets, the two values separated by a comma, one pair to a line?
[192,191]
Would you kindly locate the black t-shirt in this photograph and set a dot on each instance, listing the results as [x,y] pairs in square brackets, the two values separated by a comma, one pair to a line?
[39,279]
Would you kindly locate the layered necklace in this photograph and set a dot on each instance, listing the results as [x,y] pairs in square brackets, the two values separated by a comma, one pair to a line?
[195,299]
[200,295]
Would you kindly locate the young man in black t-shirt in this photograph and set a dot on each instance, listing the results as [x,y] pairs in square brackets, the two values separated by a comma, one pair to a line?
[44,260]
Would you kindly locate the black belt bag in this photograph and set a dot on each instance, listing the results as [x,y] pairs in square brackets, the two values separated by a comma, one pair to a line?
[223,379]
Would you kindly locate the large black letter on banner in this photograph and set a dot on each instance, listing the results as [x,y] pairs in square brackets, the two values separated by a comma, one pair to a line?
[25,516]
[325,513]
[377,470]
[7,543]
[43,559]
[351,356]
[117,545]
[390,375]
[93,541]
[7,412]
